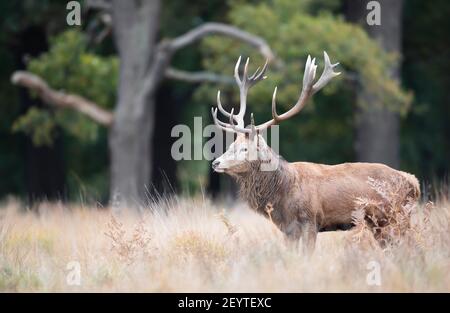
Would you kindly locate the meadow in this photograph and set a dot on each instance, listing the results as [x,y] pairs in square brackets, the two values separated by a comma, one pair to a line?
[195,245]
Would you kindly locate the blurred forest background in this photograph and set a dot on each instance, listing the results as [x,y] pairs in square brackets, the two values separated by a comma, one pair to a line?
[391,105]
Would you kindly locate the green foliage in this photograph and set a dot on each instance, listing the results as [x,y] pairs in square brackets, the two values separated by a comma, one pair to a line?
[293,35]
[325,130]
[69,65]
[37,123]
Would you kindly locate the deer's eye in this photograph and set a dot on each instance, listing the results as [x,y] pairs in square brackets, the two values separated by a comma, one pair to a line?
[244,149]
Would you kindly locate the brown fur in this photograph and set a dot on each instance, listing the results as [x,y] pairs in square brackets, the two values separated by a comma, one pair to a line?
[307,197]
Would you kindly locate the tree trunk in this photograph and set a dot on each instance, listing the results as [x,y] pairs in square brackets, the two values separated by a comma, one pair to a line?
[377,130]
[135,31]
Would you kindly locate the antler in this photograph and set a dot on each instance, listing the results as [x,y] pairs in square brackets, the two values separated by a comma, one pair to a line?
[309,89]
[244,83]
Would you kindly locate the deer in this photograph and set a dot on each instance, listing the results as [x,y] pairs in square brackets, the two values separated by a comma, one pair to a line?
[300,198]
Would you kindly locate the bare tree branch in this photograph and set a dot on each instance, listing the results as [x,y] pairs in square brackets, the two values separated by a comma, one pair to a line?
[158,70]
[225,30]
[61,99]
[167,47]
[198,77]
[99,28]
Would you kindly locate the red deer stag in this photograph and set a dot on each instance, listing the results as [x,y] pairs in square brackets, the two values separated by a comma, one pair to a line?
[301,198]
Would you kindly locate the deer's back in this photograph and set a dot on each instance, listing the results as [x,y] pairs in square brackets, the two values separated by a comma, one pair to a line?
[332,189]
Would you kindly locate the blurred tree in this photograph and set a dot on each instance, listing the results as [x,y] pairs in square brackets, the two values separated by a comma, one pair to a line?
[377,129]
[68,65]
[426,50]
[144,63]
[174,97]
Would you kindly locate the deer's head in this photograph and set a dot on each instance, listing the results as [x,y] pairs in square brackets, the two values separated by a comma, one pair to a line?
[243,154]
[249,148]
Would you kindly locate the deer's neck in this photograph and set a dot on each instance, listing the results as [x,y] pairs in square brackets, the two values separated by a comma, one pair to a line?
[260,188]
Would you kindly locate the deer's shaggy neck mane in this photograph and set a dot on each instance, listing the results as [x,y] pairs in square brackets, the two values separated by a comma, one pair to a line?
[260,188]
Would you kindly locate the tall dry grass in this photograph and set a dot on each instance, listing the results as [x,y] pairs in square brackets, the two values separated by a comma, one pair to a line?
[194,245]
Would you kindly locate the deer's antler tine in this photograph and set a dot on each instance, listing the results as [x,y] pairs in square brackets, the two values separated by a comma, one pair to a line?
[215,118]
[244,75]
[259,75]
[231,120]
[219,105]
[307,73]
[236,72]
[327,73]
[219,123]
[254,74]
[274,104]
[263,71]
[310,73]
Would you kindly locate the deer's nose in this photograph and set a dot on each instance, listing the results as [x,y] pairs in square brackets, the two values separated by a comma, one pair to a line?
[215,164]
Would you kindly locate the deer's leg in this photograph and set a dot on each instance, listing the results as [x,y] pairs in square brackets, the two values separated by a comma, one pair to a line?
[310,234]
[304,229]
